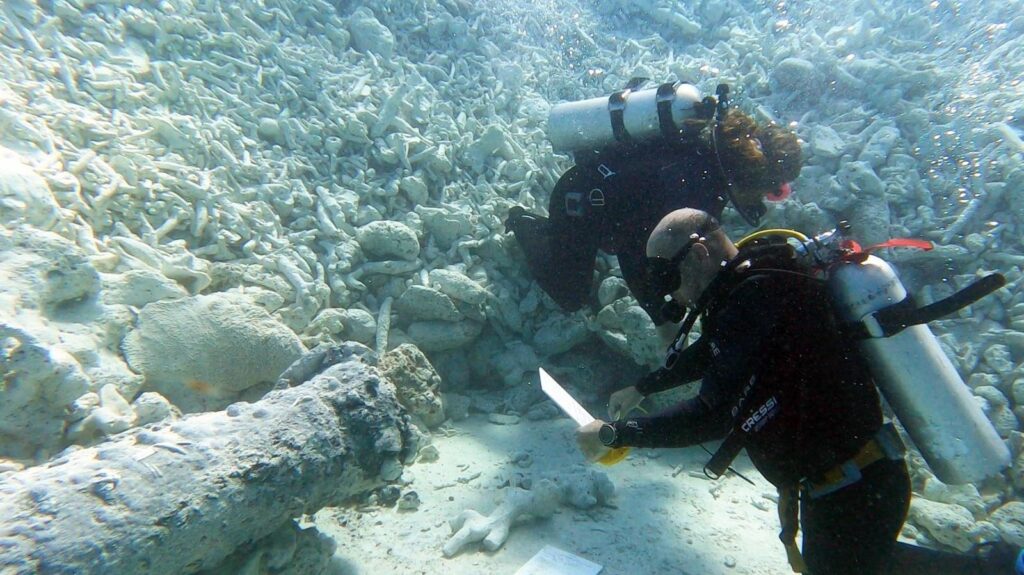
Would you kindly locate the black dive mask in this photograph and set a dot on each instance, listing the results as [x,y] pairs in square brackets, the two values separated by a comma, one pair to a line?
[663,273]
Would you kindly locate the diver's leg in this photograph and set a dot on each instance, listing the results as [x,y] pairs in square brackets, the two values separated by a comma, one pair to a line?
[531,233]
[853,531]
[998,559]
[559,250]
[574,236]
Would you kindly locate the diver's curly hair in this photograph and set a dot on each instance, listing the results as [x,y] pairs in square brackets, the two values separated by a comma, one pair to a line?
[755,157]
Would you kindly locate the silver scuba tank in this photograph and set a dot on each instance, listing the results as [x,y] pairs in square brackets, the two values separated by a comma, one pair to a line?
[628,115]
[937,409]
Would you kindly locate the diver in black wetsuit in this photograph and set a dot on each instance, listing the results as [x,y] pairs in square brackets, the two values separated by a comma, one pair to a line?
[779,380]
[612,200]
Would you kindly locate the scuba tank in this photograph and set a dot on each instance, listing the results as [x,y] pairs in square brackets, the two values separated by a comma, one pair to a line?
[914,375]
[627,116]
[921,385]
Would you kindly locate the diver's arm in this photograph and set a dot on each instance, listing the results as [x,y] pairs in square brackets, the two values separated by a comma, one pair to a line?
[689,366]
[688,423]
[740,337]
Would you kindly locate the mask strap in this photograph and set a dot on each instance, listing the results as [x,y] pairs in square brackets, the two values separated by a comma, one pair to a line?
[675,349]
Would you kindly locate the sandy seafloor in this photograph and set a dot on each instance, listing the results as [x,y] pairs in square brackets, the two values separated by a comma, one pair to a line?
[665,517]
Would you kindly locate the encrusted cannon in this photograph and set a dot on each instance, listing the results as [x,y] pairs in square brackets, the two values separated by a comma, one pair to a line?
[180,497]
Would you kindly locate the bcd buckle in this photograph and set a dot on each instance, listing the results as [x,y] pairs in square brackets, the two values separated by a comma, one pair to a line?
[850,475]
[574,204]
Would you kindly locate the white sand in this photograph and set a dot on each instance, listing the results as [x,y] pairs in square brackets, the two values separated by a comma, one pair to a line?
[658,523]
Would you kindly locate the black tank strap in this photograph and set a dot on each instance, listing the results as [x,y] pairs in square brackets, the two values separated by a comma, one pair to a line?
[616,111]
[665,96]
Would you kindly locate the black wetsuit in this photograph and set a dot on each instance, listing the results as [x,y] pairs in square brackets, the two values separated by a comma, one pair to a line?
[612,202]
[775,369]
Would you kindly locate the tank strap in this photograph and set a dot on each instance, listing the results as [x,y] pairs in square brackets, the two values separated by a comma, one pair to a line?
[891,320]
[616,111]
[666,95]
[856,254]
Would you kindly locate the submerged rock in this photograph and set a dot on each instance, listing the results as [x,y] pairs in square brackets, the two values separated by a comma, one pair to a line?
[369,35]
[386,239]
[423,303]
[201,352]
[417,383]
[443,335]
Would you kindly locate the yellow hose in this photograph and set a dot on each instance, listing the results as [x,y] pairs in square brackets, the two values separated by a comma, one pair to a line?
[774,232]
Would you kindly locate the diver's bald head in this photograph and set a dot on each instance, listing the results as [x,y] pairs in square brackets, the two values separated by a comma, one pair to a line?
[694,247]
[676,229]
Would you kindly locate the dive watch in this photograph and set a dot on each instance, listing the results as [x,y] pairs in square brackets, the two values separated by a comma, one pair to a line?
[607,435]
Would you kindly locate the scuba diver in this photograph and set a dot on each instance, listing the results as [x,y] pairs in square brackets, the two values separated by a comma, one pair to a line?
[639,155]
[782,378]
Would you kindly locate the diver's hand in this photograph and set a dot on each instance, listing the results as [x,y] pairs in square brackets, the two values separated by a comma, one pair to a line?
[590,444]
[624,401]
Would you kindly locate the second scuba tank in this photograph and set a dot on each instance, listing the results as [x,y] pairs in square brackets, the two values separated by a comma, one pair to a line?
[625,116]
[925,391]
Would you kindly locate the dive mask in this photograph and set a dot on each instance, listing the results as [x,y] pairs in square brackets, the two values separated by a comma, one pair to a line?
[663,273]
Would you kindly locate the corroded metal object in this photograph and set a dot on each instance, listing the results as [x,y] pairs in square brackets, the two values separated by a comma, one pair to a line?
[187,494]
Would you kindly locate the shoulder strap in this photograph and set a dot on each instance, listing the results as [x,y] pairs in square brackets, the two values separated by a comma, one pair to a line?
[782,256]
